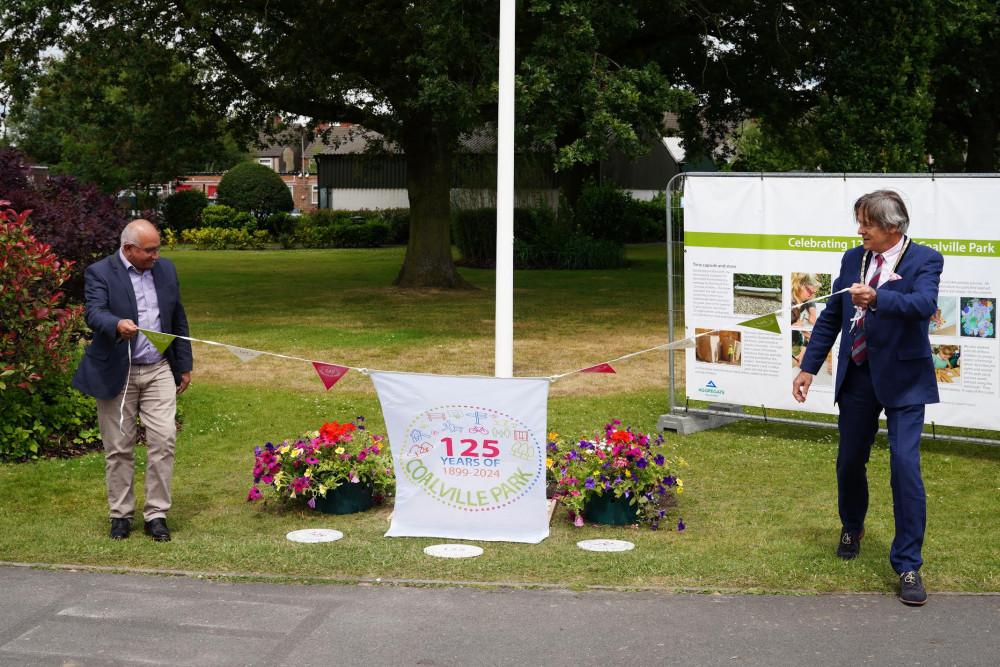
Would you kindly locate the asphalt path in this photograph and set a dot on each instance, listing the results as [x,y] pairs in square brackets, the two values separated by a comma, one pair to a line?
[59,616]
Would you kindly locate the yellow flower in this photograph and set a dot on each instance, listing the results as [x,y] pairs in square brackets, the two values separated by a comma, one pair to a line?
[680,482]
[549,462]
[309,472]
[628,474]
[284,449]
[322,490]
[339,450]
[553,435]
[297,451]
[681,461]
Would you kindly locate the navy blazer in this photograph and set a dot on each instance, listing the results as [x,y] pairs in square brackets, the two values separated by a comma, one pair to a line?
[110,298]
[896,332]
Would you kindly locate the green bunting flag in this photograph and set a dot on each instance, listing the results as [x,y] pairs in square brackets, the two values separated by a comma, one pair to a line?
[160,341]
[766,322]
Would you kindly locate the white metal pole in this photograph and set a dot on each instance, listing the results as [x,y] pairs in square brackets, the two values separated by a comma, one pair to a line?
[504,359]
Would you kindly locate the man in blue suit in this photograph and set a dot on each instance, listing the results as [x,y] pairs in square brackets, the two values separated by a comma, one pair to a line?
[884,363]
[132,289]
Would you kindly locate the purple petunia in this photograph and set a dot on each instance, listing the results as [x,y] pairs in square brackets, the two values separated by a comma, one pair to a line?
[312,503]
[680,525]
[589,483]
[641,463]
[659,460]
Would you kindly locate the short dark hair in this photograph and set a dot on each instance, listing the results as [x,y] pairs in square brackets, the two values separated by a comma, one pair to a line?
[885,208]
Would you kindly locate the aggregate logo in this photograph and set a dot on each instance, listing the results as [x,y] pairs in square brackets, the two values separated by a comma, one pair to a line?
[710,388]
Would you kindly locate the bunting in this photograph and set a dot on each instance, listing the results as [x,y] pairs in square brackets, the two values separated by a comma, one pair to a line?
[330,374]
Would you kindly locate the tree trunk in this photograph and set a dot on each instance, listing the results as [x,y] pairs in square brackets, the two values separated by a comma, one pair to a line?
[428,261]
[982,147]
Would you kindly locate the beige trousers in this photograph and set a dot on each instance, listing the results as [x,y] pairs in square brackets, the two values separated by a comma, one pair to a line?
[152,394]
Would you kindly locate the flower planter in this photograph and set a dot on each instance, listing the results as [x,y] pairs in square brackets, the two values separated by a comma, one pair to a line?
[610,511]
[346,499]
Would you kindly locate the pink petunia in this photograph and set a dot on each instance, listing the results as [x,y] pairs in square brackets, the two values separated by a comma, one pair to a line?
[266,479]
[254,494]
[578,521]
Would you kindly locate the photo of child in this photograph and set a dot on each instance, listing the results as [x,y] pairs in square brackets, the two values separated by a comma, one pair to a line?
[947,363]
[944,322]
[804,288]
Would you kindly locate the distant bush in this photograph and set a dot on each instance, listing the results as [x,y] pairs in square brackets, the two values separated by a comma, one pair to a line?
[540,242]
[325,228]
[218,216]
[398,220]
[654,219]
[255,189]
[74,218]
[577,253]
[281,224]
[182,210]
[474,232]
[217,238]
[606,211]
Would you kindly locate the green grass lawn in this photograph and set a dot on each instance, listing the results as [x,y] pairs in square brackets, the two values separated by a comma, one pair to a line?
[759,500]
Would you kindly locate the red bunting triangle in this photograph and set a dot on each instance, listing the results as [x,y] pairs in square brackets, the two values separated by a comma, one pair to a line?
[599,368]
[329,373]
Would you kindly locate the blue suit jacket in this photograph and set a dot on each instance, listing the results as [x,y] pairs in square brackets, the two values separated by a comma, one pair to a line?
[110,298]
[899,351]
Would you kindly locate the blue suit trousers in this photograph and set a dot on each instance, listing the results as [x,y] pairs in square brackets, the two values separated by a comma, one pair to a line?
[858,424]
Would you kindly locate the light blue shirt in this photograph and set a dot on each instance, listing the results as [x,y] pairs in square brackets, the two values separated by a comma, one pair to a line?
[143,351]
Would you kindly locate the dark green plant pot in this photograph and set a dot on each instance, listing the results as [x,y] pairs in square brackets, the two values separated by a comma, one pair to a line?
[610,511]
[346,499]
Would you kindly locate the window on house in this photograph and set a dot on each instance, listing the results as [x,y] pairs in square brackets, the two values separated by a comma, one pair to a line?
[266,161]
[315,194]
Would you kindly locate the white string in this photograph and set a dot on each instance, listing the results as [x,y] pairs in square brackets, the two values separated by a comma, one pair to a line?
[121,411]
[677,344]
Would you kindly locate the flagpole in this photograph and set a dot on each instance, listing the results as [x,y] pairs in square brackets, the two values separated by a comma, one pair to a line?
[504,356]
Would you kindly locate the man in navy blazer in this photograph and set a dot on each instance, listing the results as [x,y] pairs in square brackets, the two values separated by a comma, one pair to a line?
[884,362]
[132,289]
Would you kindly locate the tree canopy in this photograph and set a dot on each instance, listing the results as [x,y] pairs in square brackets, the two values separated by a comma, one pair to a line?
[420,74]
[851,85]
[122,127]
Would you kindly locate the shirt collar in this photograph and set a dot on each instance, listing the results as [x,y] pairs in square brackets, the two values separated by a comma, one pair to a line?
[128,265]
[893,252]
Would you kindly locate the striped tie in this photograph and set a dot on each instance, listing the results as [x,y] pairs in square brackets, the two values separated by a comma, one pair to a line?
[859,351]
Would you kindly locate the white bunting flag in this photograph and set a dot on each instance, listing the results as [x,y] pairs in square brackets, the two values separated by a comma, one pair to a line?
[243,353]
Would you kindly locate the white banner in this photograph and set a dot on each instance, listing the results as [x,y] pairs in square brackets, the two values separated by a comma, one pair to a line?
[469,455]
[758,244]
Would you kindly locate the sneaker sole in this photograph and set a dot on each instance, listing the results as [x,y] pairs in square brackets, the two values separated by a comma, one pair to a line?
[912,603]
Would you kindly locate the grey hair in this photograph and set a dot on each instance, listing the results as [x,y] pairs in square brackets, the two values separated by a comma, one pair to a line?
[884,208]
[130,235]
